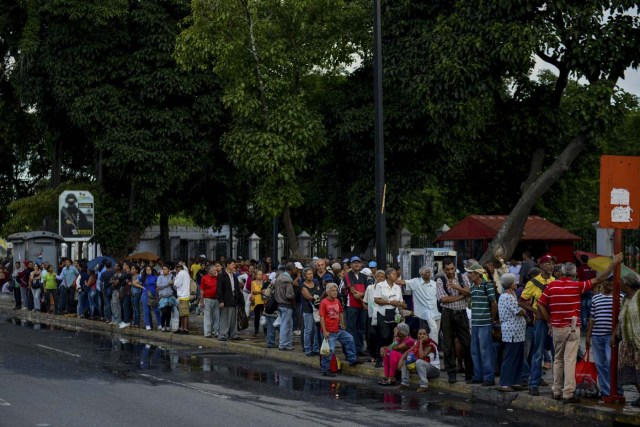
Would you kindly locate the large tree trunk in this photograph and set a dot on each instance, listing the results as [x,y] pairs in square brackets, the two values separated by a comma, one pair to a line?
[511,231]
[291,234]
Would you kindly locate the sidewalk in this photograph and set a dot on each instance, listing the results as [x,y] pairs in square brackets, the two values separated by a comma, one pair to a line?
[256,346]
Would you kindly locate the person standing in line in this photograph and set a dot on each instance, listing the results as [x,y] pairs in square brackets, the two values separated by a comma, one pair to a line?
[230,297]
[513,326]
[563,298]
[209,302]
[285,296]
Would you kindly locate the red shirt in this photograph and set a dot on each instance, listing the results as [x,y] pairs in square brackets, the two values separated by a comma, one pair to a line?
[562,297]
[209,286]
[331,310]
[359,284]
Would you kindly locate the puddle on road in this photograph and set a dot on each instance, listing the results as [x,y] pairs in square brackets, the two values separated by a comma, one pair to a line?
[126,358]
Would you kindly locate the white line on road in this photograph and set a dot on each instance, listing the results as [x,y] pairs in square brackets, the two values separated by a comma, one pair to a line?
[198,389]
[4,403]
[59,351]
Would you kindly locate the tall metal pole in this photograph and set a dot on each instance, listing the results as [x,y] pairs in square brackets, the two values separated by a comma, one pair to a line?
[381,234]
[614,397]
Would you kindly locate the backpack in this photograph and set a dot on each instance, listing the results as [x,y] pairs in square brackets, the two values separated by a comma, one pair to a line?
[271,306]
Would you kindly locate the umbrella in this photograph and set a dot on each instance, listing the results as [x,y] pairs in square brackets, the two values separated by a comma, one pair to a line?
[601,262]
[99,260]
[146,256]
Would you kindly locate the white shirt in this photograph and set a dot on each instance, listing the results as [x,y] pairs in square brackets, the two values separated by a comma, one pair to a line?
[388,294]
[369,299]
[425,298]
[182,283]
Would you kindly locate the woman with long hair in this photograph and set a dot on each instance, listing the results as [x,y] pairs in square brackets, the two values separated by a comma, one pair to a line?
[150,298]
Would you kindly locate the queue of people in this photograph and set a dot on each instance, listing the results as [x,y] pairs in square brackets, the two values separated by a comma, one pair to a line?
[488,321]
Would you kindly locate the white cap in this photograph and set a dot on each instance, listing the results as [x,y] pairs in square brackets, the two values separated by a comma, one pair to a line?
[298,265]
[367,271]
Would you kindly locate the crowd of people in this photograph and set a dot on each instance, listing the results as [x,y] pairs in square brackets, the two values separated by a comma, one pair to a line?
[485,320]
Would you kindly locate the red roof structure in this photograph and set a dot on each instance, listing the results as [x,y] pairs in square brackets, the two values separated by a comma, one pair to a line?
[472,235]
[476,227]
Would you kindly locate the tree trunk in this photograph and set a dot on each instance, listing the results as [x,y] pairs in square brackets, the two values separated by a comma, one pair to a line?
[165,243]
[511,231]
[291,234]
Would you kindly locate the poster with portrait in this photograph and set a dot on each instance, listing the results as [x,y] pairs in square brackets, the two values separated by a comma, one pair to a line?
[76,210]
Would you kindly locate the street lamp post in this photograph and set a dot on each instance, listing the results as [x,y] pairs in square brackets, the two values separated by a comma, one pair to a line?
[381,235]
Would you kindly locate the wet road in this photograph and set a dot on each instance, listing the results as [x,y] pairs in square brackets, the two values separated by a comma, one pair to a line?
[52,377]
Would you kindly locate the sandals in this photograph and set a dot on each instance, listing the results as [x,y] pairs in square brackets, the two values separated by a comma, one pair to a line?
[386,382]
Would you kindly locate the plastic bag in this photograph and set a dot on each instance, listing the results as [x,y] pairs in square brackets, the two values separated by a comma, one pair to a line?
[277,322]
[175,319]
[586,378]
[398,317]
[325,349]
[263,320]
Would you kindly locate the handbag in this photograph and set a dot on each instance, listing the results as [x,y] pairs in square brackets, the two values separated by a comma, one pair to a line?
[152,300]
[586,378]
[390,315]
[243,320]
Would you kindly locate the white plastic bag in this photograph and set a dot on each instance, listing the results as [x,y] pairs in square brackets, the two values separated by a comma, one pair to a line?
[175,319]
[277,322]
[263,320]
[325,349]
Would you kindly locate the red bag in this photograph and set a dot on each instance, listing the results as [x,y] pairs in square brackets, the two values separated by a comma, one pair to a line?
[586,377]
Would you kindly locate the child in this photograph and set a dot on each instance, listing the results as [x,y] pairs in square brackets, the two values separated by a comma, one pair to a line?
[421,353]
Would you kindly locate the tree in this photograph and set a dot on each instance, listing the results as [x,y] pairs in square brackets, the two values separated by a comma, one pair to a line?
[267,52]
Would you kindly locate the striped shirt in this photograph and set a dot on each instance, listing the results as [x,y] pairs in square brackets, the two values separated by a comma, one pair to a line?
[441,293]
[563,300]
[482,296]
[601,312]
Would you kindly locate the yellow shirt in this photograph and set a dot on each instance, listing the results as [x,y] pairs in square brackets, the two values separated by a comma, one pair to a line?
[532,291]
[255,288]
[195,267]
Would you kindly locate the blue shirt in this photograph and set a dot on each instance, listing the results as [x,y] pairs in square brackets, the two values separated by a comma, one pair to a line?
[68,275]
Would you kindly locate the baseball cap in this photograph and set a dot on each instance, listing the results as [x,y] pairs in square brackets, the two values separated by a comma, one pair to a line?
[328,278]
[346,260]
[373,264]
[546,258]
[355,258]
[298,265]
[366,271]
[475,268]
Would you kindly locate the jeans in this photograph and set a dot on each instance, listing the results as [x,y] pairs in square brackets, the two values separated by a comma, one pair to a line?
[311,343]
[482,353]
[63,299]
[585,308]
[540,331]
[356,324]
[425,371]
[36,298]
[83,303]
[106,300]
[147,312]
[512,360]
[600,344]
[94,303]
[126,309]
[116,309]
[528,344]
[286,327]
[271,331]
[135,301]
[348,346]
[24,296]
[211,321]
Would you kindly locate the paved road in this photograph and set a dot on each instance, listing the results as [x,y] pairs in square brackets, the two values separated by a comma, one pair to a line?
[51,377]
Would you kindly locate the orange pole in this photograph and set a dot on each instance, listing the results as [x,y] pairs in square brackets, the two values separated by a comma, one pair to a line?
[613,392]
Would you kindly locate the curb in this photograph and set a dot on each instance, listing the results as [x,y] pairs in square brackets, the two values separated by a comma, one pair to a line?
[521,400]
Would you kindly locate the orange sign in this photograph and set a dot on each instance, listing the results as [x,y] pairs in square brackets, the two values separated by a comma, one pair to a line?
[620,192]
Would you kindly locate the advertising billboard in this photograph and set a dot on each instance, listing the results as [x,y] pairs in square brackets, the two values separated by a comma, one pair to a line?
[76,215]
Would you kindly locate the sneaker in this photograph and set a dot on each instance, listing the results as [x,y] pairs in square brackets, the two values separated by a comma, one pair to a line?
[572,399]
[533,391]
[504,388]
[297,332]
[452,378]
[286,348]
[148,328]
[123,325]
[159,328]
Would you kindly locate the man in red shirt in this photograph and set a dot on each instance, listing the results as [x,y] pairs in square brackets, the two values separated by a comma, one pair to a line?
[356,284]
[332,324]
[210,303]
[562,298]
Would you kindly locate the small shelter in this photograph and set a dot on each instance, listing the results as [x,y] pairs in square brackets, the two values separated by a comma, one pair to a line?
[471,237]
[36,246]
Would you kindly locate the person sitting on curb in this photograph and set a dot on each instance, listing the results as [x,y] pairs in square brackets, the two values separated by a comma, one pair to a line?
[333,328]
[392,354]
[421,354]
